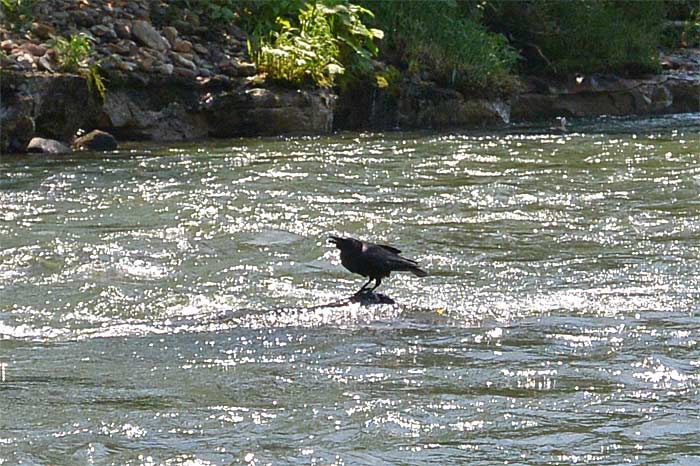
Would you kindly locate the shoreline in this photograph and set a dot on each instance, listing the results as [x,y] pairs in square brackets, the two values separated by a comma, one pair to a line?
[174,80]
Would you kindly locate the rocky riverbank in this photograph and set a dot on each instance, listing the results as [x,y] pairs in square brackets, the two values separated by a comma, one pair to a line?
[169,77]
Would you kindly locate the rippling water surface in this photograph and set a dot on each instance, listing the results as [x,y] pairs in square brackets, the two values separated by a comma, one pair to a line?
[161,306]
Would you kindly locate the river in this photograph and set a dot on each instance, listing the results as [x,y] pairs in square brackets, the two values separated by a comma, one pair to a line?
[164,305]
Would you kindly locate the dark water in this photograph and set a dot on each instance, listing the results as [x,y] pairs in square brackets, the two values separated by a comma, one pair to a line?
[153,302]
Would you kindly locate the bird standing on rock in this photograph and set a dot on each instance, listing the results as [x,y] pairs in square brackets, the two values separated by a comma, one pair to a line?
[375,261]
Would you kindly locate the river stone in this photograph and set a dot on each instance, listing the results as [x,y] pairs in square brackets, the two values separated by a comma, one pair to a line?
[96,140]
[34,49]
[182,61]
[182,46]
[47,146]
[170,33]
[123,30]
[149,36]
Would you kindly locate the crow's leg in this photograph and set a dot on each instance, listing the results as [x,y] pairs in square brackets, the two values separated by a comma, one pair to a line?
[366,285]
[377,283]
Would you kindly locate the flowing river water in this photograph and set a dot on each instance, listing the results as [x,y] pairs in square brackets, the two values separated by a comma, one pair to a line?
[164,306]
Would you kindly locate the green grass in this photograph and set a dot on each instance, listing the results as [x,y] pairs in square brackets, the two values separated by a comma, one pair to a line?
[581,36]
[446,42]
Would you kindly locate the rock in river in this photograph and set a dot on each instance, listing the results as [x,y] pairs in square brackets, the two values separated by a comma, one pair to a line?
[47,146]
[96,140]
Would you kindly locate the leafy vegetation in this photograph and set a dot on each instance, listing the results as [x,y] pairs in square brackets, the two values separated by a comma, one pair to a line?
[17,13]
[445,41]
[690,37]
[321,45]
[74,55]
[583,36]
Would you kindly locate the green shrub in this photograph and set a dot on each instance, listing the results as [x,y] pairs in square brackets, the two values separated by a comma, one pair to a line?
[73,53]
[690,37]
[295,55]
[445,41]
[329,40]
[17,13]
[74,56]
[582,36]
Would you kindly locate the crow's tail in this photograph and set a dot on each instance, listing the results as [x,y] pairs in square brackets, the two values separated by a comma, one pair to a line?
[418,272]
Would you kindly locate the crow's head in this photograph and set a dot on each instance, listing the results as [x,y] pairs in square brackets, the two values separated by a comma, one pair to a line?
[345,243]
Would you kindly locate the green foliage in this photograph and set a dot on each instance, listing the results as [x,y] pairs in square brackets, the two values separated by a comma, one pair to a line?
[295,54]
[444,41]
[74,56]
[94,81]
[580,35]
[17,13]
[259,17]
[690,37]
[73,53]
[329,39]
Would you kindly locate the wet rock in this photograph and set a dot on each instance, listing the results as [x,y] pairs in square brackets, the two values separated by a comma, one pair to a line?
[367,298]
[270,112]
[134,116]
[96,140]
[149,36]
[47,146]
[412,105]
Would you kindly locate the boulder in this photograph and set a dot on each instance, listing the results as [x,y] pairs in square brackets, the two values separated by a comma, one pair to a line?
[260,111]
[47,146]
[149,36]
[96,140]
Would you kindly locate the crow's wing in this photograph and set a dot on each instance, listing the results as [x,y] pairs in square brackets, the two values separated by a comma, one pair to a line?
[390,248]
[386,258]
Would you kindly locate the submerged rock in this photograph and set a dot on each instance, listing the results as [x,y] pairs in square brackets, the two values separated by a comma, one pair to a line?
[96,140]
[367,297]
[47,146]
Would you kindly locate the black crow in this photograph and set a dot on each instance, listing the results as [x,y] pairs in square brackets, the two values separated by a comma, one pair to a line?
[375,261]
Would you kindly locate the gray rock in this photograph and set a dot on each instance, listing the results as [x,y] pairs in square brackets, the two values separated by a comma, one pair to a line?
[47,146]
[170,33]
[123,30]
[182,61]
[96,140]
[165,68]
[185,72]
[104,30]
[149,36]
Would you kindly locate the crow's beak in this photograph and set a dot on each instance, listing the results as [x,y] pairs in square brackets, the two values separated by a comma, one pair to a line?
[334,239]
